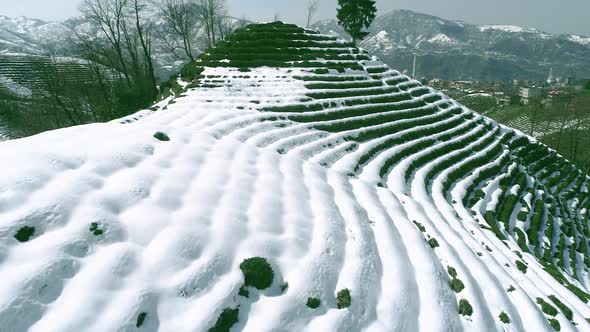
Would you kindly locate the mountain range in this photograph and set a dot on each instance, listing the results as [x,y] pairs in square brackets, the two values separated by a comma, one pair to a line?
[458,50]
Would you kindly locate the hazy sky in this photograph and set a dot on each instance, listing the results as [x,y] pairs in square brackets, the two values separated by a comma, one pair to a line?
[557,16]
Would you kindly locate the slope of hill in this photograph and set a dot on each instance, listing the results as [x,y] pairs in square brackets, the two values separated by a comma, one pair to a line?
[380,205]
[458,50]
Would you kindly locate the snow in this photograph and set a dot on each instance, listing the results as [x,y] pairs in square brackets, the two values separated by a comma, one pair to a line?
[505,28]
[14,87]
[234,182]
[441,38]
[580,40]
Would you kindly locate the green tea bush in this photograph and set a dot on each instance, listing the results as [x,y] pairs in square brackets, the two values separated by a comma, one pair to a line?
[521,266]
[433,243]
[567,312]
[161,136]
[547,308]
[24,233]
[465,308]
[140,319]
[257,272]
[457,285]
[313,302]
[343,299]
[95,229]
[226,320]
[504,318]
[555,324]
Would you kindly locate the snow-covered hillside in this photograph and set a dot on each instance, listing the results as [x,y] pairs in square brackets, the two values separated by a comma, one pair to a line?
[300,149]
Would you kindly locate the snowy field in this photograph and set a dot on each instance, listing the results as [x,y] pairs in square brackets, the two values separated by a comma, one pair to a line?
[175,219]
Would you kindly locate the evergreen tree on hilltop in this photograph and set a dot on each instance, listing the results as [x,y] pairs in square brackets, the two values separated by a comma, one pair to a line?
[356,15]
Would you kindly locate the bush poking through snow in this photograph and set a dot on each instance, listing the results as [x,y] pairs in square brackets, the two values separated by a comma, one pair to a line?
[504,318]
[243,292]
[140,319]
[420,226]
[161,136]
[95,229]
[313,302]
[226,320]
[547,308]
[465,308]
[511,289]
[452,271]
[24,234]
[457,285]
[284,287]
[564,308]
[521,266]
[343,299]
[433,243]
[555,324]
[257,272]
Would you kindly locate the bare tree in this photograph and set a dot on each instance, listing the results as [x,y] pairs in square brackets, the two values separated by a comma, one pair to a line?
[312,9]
[181,22]
[124,44]
[277,16]
[209,13]
[109,17]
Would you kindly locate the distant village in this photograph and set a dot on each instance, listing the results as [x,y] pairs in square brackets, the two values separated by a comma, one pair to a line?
[516,92]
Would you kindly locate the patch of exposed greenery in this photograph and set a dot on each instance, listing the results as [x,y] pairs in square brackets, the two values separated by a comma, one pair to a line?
[547,308]
[343,299]
[226,320]
[257,272]
[433,243]
[95,229]
[24,234]
[140,319]
[313,302]
[465,308]
[504,318]
[161,136]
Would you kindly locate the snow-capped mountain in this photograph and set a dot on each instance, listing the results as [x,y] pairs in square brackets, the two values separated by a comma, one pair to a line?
[308,190]
[29,36]
[458,50]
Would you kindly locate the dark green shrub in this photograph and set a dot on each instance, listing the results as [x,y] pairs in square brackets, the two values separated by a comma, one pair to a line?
[140,319]
[343,299]
[161,136]
[457,285]
[257,272]
[511,289]
[465,308]
[555,324]
[567,312]
[452,271]
[547,308]
[284,287]
[24,234]
[433,243]
[521,266]
[243,292]
[313,302]
[504,318]
[420,226]
[95,229]
[226,320]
